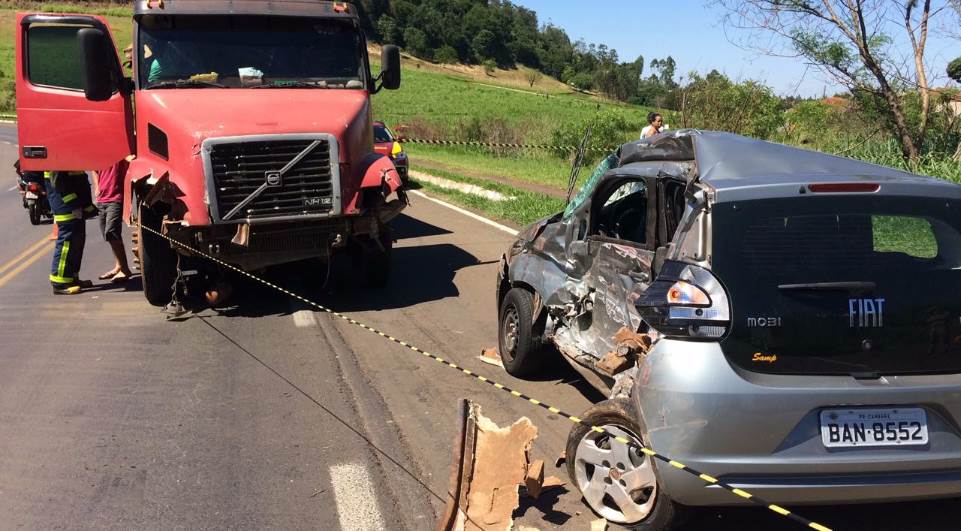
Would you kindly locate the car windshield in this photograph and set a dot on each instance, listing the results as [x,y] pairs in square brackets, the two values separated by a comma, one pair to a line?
[611,161]
[382,134]
[249,52]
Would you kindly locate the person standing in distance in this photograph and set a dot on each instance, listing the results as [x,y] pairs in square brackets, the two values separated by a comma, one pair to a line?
[656,125]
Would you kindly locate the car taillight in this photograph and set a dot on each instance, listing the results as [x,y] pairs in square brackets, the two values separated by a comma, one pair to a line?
[686,301]
[33,187]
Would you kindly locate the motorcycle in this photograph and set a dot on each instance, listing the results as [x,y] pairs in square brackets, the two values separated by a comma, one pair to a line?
[33,194]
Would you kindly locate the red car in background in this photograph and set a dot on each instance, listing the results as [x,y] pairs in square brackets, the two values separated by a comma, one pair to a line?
[387,143]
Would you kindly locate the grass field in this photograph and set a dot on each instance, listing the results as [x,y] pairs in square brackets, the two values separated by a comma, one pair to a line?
[453,106]
[523,208]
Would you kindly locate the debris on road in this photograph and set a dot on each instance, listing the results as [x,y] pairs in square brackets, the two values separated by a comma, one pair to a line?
[536,483]
[490,464]
[599,525]
[491,357]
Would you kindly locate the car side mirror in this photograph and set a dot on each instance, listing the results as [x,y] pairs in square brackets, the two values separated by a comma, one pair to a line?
[390,67]
[99,68]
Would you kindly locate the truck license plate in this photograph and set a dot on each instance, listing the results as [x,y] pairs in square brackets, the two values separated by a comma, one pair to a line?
[848,428]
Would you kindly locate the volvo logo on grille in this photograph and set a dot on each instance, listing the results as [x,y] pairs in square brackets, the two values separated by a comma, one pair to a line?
[274,178]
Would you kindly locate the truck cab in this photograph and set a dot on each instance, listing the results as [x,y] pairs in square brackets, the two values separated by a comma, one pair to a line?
[247,124]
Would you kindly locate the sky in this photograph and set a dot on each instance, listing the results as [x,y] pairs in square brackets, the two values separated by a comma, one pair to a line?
[693,34]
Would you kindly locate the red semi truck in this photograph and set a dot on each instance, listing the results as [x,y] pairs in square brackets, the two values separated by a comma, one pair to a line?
[249,122]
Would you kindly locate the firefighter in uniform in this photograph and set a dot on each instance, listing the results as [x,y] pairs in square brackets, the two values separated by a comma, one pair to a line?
[71,204]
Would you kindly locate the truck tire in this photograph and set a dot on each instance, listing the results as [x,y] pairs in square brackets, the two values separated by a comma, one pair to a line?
[519,339]
[158,261]
[646,507]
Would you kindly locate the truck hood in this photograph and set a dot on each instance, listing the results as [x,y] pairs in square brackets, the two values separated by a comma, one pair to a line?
[208,113]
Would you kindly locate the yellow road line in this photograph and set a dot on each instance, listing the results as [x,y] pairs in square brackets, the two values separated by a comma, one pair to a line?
[44,251]
[23,255]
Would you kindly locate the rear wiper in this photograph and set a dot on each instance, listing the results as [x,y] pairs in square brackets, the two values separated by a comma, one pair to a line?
[830,286]
[186,83]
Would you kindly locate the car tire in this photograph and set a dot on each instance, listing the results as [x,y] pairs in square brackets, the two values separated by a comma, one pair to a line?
[519,339]
[158,261]
[629,473]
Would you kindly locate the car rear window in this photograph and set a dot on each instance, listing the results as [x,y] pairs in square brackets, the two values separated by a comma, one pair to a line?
[827,285]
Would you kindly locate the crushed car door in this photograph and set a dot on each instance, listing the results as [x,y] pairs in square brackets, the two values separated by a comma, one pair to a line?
[623,223]
[59,127]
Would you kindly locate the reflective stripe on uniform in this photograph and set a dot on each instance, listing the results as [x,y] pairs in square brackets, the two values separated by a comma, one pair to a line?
[62,266]
[48,175]
[63,218]
[90,208]
[69,197]
[61,280]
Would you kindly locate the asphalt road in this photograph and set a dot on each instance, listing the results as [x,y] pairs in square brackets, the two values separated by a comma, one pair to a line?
[269,415]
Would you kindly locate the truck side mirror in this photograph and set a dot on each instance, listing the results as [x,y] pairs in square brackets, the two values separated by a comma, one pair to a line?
[99,68]
[390,67]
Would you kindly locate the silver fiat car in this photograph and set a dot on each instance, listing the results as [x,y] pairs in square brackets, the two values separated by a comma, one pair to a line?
[786,321]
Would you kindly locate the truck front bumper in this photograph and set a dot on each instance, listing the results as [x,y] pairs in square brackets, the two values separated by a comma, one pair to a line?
[256,246]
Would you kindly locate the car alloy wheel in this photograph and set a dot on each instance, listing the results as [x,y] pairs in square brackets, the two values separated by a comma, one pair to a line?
[616,480]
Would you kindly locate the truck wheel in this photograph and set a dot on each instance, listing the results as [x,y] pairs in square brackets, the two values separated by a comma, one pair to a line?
[34,211]
[617,480]
[158,261]
[519,339]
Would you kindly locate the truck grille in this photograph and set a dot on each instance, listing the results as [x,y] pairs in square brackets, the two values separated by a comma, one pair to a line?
[259,179]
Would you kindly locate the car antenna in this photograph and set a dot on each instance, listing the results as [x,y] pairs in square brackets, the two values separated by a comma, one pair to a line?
[578,162]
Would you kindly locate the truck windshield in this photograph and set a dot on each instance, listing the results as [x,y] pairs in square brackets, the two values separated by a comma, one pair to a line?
[249,52]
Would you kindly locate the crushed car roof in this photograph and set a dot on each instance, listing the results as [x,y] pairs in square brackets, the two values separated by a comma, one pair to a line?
[738,167]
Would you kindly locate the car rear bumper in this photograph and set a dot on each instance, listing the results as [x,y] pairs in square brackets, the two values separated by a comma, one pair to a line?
[761,432]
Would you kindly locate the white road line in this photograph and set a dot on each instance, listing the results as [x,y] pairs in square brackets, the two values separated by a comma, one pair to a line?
[12,188]
[467,213]
[304,319]
[355,498]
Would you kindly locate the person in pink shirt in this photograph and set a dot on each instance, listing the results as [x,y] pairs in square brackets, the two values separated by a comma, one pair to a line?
[110,203]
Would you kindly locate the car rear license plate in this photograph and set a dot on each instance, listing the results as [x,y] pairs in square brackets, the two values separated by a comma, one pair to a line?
[848,428]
